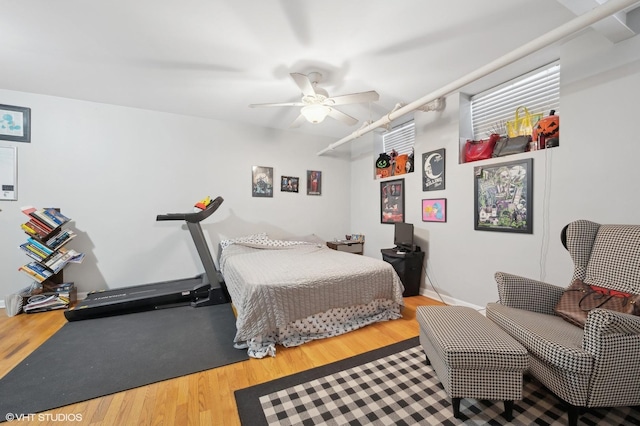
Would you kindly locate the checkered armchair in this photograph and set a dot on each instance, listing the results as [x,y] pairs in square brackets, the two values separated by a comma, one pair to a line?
[598,366]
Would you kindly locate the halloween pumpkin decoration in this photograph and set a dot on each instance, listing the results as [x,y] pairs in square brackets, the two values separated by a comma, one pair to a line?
[547,127]
[383,165]
[401,164]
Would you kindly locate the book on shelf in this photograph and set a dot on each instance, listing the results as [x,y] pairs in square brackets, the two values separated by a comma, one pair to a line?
[59,260]
[35,223]
[40,246]
[63,288]
[78,258]
[59,239]
[67,290]
[39,216]
[29,230]
[36,271]
[33,252]
[56,216]
[39,229]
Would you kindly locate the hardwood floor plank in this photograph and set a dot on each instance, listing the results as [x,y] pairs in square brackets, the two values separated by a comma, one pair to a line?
[206,397]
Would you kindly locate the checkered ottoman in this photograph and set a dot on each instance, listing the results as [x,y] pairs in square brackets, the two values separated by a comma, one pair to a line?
[472,356]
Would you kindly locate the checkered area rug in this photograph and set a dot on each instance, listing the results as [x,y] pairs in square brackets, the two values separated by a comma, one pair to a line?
[400,389]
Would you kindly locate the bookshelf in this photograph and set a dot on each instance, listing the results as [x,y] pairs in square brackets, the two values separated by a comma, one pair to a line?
[47,237]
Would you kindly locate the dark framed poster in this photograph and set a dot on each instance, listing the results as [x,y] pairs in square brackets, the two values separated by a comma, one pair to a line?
[262,181]
[314,182]
[289,183]
[433,168]
[503,195]
[392,201]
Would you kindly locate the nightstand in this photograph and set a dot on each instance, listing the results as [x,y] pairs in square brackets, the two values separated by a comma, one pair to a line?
[349,247]
[408,265]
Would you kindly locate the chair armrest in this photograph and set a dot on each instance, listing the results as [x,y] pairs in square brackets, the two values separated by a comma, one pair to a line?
[604,323]
[613,340]
[528,294]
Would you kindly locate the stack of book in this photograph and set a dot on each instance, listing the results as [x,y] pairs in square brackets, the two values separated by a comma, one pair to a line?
[36,271]
[58,296]
[47,219]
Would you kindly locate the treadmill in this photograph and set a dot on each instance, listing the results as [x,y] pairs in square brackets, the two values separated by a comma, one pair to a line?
[202,290]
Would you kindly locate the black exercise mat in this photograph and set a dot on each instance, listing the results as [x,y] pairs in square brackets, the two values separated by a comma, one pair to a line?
[97,357]
[394,385]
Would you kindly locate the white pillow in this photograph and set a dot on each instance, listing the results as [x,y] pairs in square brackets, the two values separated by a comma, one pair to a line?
[259,238]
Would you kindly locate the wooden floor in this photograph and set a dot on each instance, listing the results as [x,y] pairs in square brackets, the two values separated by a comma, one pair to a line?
[204,398]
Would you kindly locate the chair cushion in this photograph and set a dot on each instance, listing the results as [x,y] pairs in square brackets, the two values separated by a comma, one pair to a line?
[615,259]
[547,337]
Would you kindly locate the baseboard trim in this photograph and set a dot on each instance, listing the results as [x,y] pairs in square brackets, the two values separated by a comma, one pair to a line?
[451,301]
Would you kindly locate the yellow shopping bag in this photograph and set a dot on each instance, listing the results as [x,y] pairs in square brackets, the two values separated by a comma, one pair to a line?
[522,126]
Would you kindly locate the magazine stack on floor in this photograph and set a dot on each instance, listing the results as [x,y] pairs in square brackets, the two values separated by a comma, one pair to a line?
[52,297]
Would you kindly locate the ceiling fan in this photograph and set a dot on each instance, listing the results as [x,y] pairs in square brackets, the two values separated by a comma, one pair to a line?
[317,104]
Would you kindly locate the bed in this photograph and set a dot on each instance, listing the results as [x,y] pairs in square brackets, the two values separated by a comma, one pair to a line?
[291,292]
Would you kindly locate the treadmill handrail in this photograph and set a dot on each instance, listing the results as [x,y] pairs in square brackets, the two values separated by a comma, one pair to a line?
[193,217]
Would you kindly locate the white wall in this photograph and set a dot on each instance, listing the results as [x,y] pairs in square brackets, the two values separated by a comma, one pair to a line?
[592,175]
[113,169]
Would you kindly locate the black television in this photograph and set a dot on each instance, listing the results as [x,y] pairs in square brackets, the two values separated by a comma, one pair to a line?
[403,236]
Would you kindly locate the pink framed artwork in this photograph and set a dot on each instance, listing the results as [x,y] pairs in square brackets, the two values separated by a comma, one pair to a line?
[434,210]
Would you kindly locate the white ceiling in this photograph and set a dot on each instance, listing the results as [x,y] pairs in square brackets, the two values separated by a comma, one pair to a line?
[212,58]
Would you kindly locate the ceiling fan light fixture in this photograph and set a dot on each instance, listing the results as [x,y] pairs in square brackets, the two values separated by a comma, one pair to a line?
[315,113]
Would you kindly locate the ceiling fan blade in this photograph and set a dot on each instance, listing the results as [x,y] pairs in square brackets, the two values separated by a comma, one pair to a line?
[354,98]
[341,116]
[298,121]
[277,104]
[303,83]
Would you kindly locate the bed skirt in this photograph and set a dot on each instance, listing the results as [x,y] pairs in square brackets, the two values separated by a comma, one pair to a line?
[330,323]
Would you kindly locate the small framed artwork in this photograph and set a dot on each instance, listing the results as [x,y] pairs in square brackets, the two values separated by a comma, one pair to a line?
[15,123]
[434,210]
[289,184]
[433,177]
[392,201]
[314,182]
[262,181]
[503,197]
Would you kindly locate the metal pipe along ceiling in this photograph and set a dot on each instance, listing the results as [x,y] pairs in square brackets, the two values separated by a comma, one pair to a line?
[596,14]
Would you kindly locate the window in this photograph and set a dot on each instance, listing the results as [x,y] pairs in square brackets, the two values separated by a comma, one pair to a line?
[538,90]
[401,138]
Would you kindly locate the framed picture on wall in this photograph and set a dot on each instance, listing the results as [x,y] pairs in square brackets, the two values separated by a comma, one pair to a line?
[15,123]
[392,201]
[433,176]
[262,181]
[289,184]
[434,210]
[503,195]
[314,182]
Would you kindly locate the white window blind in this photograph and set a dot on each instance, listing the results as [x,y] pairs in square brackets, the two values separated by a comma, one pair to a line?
[402,138]
[538,90]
